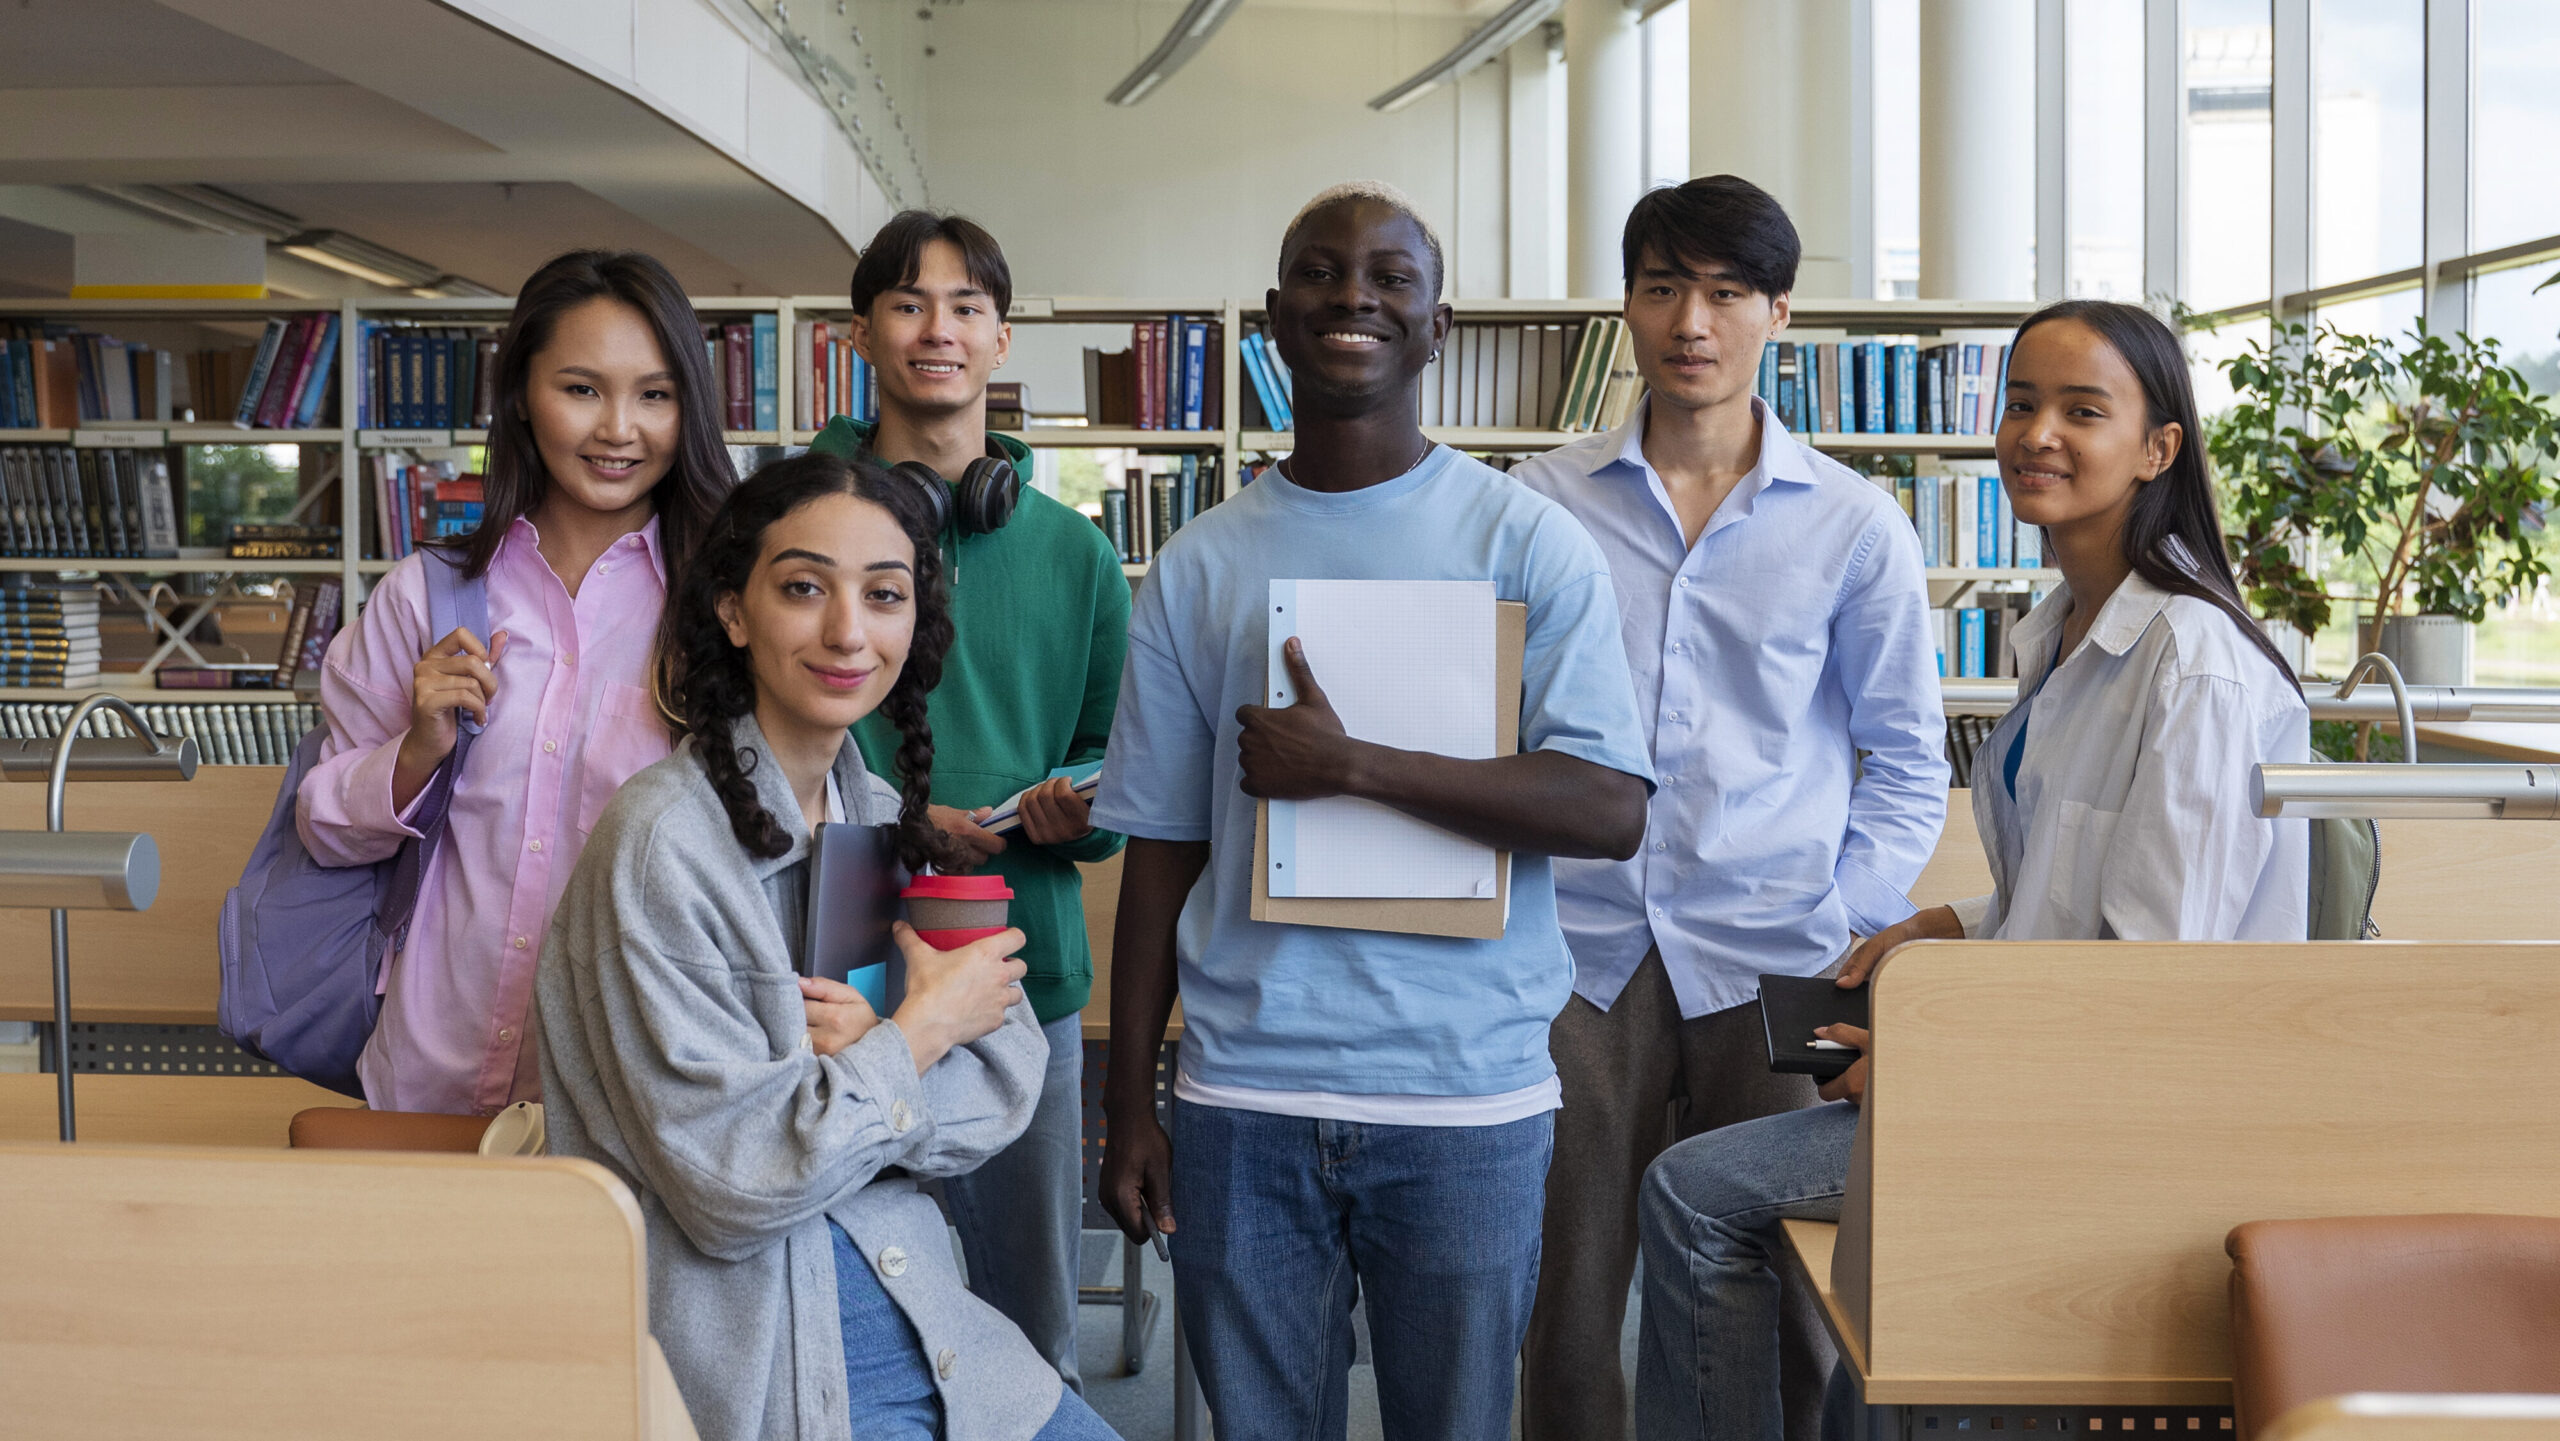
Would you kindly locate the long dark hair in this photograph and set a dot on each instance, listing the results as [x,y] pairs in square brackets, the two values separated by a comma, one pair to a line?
[705,683]
[2173,534]
[517,481]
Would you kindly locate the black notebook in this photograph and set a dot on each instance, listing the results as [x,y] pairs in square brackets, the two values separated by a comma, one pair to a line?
[854,880]
[1793,1007]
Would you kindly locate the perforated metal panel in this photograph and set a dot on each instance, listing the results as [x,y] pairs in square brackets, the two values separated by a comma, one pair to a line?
[152,1051]
[2114,1423]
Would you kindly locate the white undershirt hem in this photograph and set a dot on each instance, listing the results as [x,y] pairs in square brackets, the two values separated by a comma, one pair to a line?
[1495,1110]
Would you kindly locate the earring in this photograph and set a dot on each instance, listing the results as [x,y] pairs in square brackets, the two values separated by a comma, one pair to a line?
[1435,358]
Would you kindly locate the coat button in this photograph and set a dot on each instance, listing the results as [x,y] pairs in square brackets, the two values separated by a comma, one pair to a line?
[900,1118]
[946,1363]
[893,1262]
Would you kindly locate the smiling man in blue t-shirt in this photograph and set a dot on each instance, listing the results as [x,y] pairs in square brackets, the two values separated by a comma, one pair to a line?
[1352,1105]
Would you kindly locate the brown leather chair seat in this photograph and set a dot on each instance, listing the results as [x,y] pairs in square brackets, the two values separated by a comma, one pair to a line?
[2423,1304]
[347,1128]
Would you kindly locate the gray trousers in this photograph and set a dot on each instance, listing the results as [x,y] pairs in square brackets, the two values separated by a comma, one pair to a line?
[1638,1078]
[1021,1215]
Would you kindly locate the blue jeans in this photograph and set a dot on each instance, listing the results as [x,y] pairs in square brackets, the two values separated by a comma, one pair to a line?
[888,1384]
[1021,1215]
[1708,1222]
[1282,1222]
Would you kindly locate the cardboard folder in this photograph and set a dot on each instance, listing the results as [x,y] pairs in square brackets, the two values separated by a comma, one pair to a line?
[1466,916]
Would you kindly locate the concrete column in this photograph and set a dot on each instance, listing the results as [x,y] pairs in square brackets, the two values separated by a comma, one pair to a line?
[1534,192]
[1604,129]
[1977,149]
[1770,88]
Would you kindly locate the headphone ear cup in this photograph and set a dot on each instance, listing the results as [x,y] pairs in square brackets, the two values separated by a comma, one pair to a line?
[989,490]
[936,491]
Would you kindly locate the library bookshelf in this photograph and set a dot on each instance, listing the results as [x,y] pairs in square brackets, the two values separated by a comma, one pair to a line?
[1231,443]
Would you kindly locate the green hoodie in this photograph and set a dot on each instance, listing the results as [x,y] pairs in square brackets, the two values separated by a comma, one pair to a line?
[1041,612]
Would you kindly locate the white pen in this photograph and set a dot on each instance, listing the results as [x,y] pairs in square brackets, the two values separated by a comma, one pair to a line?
[1820,1044]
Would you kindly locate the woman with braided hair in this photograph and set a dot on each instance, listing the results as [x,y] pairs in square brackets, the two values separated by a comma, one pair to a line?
[773,1127]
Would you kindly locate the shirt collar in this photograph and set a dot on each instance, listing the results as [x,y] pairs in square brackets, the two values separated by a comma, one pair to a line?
[773,790]
[1780,457]
[2121,621]
[522,532]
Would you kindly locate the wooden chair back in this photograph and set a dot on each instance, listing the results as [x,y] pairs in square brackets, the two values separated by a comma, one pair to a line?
[2059,1136]
[322,1294]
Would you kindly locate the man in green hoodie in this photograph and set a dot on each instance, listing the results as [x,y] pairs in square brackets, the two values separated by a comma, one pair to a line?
[1041,612]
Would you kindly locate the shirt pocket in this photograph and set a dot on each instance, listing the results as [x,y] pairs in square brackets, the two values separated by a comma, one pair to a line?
[628,738]
[2081,836]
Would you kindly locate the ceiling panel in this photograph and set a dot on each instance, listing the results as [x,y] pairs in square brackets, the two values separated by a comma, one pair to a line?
[83,44]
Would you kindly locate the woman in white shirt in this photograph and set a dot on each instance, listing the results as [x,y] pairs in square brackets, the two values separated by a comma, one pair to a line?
[2113,801]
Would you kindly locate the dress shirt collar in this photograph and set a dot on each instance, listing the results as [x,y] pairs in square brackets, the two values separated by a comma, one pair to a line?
[2121,621]
[523,534]
[1781,459]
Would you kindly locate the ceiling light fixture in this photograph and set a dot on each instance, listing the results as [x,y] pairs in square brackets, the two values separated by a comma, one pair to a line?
[1488,40]
[1200,20]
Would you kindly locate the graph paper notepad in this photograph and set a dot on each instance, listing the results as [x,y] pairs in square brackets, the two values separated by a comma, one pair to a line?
[1408,664]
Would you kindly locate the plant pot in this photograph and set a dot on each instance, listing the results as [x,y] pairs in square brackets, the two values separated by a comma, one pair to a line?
[2429,649]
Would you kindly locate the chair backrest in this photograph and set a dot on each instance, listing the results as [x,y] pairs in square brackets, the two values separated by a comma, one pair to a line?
[2441,880]
[2449,1303]
[309,1294]
[2057,1138]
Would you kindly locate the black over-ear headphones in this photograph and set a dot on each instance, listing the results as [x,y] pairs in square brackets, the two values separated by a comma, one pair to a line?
[986,495]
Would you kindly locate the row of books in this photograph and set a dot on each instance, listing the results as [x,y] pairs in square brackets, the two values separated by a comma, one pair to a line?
[1502,375]
[426,377]
[1172,377]
[48,634]
[1142,515]
[82,502]
[1973,640]
[1270,401]
[1602,386]
[1884,387]
[54,377]
[420,500]
[829,378]
[226,733]
[317,611]
[1965,520]
[285,540]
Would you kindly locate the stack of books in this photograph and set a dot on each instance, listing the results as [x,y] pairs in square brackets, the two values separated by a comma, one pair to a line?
[57,500]
[1172,377]
[830,379]
[262,540]
[1884,386]
[48,635]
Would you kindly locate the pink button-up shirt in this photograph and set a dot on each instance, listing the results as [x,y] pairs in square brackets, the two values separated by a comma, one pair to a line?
[572,720]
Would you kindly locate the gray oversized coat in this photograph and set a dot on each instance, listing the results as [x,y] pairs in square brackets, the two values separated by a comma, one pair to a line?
[675,1053]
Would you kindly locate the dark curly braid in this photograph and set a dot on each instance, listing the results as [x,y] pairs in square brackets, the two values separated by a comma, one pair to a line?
[705,683]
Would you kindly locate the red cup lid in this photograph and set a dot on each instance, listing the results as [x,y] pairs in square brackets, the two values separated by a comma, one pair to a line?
[959,888]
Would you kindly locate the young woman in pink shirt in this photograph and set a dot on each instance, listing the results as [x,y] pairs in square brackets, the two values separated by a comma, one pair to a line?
[605,465]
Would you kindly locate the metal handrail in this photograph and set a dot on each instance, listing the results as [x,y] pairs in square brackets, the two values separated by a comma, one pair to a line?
[2512,704]
[2493,791]
[2369,663]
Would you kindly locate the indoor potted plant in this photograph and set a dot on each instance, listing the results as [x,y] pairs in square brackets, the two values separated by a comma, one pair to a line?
[2425,462]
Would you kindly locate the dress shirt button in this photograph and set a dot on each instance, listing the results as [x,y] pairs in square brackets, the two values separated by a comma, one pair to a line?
[520,943]
[1662,845]
[567,659]
[893,1262]
[604,568]
[1672,779]
[549,746]
[947,1362]
[505,1034]
[537,845]
[1657,910]
[1684,582]
[900,1118]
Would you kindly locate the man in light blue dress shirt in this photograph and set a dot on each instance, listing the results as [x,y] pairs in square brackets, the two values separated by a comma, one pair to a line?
[1776,620]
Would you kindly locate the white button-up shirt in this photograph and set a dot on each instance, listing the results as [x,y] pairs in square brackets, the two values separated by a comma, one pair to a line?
[1793,636]
[2130,818]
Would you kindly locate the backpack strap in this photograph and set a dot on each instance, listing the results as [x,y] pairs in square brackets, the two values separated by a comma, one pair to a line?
[452,600]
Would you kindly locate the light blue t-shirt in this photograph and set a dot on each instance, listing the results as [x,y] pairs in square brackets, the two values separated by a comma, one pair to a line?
[1308,1008]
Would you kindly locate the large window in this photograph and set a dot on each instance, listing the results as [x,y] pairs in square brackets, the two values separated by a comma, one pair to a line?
[2369,95]
[2102,139]
[2515,122]
[1897,148]
[2230,183]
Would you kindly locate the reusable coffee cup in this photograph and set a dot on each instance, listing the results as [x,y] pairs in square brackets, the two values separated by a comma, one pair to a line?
[949,912]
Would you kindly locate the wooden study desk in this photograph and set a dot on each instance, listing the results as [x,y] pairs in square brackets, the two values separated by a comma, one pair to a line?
[2420,1418]
[2058,1136]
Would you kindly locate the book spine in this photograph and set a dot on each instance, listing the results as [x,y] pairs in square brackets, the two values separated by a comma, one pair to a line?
[737,366]
[1115,520]
[1142,340]
[1195,375]
[484,381]
[1906,389]
[768,407]
[159,508]
[1970,620]
[255,389]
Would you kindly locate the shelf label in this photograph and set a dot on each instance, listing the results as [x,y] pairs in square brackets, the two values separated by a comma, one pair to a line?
[407,439]
[119,439]
[1035,307]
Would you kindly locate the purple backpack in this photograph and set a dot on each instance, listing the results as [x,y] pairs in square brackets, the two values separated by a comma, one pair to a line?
[303,943]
